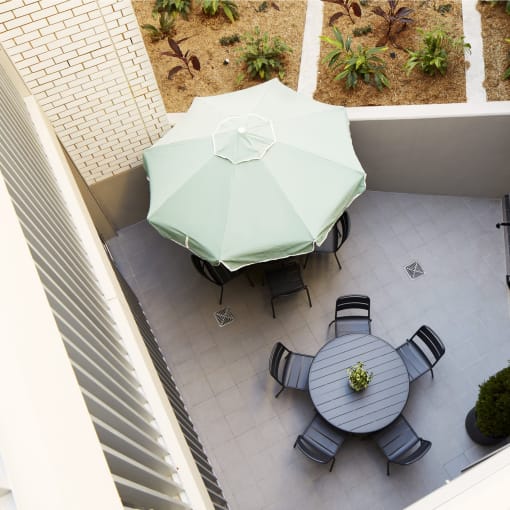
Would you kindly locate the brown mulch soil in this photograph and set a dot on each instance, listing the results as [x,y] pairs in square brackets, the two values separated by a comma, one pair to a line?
[417,88]
[286,21]
[496,52]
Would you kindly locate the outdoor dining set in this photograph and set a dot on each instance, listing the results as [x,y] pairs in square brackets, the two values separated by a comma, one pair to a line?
[343,408]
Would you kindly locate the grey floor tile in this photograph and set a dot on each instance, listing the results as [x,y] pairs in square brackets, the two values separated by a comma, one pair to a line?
[223,375]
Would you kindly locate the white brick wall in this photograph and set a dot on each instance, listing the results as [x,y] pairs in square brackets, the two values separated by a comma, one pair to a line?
[102,100]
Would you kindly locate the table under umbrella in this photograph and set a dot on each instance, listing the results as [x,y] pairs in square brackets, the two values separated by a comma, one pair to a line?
[253,175]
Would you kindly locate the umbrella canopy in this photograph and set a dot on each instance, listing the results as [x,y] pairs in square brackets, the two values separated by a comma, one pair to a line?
[253,175]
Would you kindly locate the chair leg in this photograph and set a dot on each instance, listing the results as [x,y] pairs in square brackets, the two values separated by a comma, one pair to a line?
[432,373]
[332,464]
[278,394]
[272,306]
[337,261]
[308,294]
[306,260]
[388,468]
[221,295]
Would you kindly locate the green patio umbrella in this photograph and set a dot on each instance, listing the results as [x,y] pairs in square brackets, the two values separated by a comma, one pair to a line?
[253,175]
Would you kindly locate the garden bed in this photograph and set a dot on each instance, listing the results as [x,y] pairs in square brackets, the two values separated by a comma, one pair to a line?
[285,19]
[495,28]
[417,88]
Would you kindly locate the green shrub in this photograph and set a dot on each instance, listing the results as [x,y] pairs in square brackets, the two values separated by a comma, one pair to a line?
[359,31]
[173,7]
[262,56]
[432,57]
[166,27]
[230,40]
[229,8]
[362,63]
[493,405]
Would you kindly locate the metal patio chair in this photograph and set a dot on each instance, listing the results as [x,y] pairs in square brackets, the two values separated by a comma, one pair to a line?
[421,352]
[320,441]
[219,275]
[290,369]
[335,239]
[400,443]
[352,315]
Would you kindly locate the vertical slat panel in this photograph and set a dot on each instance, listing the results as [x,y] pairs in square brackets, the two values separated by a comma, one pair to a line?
[173,394]
[139,462]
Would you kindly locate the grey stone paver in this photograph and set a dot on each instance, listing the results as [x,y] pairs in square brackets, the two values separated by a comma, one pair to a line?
[223,375]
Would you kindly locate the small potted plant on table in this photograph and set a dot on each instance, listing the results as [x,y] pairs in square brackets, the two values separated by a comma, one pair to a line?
[359,377]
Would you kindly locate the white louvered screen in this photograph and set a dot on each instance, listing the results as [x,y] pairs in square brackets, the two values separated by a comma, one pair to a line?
[139,462]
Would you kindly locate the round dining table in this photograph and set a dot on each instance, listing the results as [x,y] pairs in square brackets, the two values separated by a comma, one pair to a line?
[358,412]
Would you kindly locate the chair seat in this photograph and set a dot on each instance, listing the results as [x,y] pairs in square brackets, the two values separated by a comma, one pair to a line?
[285,281]
[414,360]
[354,325]
[297,370]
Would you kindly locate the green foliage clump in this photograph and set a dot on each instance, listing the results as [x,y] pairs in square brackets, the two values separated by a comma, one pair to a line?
[358,32]
[355,64]
[443,9]
[432,57]
[229,8]
[166,27]
[230,40]
[493,405]
[262,56]
[173,7]
[262,7]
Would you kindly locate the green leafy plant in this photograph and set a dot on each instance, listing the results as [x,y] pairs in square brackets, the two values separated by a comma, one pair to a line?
[506,74]
[443,9]
[262,56]
[498,2]
[166,27]
[432,57]
[229,8]
[348,6]
[355,64]
[493,405]
[359,377]
[358,32]
[173,7]
[264,6]
[397,18]
[187,58]
[230,40]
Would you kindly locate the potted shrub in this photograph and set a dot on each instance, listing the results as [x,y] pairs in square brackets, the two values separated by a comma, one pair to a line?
[489,421]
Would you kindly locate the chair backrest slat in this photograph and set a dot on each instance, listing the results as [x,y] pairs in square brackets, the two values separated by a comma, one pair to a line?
[432,341]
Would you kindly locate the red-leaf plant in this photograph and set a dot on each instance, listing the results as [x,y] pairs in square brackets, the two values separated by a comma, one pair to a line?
[348,6]
[394,16]
[185,57]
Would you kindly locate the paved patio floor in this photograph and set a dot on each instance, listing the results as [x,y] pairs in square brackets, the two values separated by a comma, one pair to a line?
[223,376]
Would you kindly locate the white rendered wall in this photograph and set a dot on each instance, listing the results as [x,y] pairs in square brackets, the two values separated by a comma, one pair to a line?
[86,64]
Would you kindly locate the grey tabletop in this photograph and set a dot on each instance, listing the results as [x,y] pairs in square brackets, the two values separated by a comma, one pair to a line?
[364,411]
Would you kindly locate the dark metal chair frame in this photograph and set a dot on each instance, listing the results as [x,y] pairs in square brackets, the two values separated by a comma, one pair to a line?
[285,281]
[289,369]
[401,444]
[352,302]
[336,237]
[219,275]
[320,441]
[421,352]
